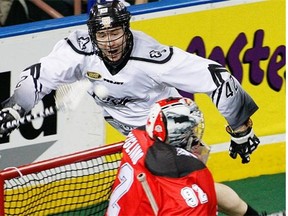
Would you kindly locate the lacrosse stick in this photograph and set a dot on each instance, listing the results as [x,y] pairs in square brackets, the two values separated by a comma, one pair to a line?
[67,97]
[142,179]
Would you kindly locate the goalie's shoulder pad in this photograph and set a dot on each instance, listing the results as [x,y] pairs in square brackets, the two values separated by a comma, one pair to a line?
[80,42]
[149,50]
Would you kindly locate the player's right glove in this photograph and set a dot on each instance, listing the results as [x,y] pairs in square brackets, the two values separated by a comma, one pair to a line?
[243,143]
[7,115]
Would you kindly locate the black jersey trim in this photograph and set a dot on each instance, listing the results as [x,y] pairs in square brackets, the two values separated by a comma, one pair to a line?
[142,128]
[78,51]
[154,61]
[216,71]
[219,90]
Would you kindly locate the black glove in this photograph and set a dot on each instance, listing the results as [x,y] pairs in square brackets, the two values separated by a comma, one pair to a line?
[243,143]
[7,115]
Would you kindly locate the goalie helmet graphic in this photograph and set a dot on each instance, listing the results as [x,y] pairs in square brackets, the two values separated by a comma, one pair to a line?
[176,121]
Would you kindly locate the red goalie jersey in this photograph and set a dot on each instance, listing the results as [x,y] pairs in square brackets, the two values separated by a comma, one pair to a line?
[180,183]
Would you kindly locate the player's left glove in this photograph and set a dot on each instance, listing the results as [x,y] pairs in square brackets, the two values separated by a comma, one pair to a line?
[9,113]
[243,142]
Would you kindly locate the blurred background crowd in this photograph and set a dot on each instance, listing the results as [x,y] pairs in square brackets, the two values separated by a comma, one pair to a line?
[14,12]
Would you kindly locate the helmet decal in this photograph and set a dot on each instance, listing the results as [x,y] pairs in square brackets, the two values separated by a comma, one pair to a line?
[106,21]
[155,125]
[103,10]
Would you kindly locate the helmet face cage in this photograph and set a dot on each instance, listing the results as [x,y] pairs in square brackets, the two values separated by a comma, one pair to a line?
[106,16]
[176,121]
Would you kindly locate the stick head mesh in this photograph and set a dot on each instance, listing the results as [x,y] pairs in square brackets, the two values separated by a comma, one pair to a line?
[68,96]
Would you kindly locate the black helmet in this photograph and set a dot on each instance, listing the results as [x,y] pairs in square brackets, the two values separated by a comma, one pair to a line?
[109,15]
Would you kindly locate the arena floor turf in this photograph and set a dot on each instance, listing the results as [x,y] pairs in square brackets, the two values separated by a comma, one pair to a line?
[263,193]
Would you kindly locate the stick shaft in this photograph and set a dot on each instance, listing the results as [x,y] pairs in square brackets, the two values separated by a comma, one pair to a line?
[142,179]
[29,118]
[67,97]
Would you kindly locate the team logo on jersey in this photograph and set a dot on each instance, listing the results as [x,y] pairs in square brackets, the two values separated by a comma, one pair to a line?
[93,75]
[82,42]
[156,53]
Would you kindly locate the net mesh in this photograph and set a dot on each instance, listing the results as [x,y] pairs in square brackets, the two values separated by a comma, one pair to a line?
[78,188]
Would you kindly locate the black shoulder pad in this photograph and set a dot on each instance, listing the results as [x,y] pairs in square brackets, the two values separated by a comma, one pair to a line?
[166,160]
[160,160]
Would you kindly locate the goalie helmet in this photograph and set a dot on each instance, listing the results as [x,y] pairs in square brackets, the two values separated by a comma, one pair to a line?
[176,121]
[108,15]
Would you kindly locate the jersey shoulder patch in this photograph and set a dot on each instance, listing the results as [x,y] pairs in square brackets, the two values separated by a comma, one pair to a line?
[80,42]
[148,49]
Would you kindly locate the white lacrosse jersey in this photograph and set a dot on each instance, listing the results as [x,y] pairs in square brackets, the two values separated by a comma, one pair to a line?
[154,71]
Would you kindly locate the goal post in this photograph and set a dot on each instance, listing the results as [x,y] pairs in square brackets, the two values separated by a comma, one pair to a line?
[75,184]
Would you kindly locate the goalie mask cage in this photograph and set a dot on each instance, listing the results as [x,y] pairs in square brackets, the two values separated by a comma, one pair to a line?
[76,184]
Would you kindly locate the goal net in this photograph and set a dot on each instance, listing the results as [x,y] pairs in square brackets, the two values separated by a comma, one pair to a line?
[76,184]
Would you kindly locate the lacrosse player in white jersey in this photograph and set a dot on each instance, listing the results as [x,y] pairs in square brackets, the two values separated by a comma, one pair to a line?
[136,71]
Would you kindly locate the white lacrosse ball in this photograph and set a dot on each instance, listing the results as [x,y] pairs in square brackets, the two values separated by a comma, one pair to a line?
[101,91]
